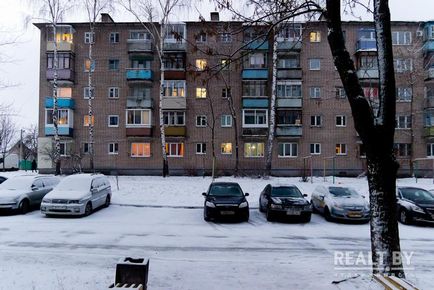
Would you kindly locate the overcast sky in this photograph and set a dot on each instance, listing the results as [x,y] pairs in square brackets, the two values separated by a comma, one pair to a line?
[21,69]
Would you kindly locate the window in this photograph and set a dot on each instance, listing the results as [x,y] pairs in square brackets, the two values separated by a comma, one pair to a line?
[64,149]
[86,119]
[64,33]
[201,121]
[315,148]
[225,64]
[201,37]
[314,64]
[366,34]
[113,148]
[174,88]
[174,33]
[288,117]
[140,35]
[175,149]
[255,118]
[225,37]
[430,150]
[174,118]
[404,94]
[113,64]
[315,36]
[368,62]
[402,149]
[255,60]
[288,149]
[315,92]
[113,92]
[226,148]
[64,93]
[201,64]
[200,148]
[253,150]
[200,93]
[88,92]
[140,149]
[340,93]
[362,151]
[226,121]
[140,63]
[341,149]
[89,65]
[316,121]
[226,93]
[85,148]
[290,31]
[114,37]
[64,61]
[403,122]
[62,117]
[401,37]
[254,88]
[288,90]
[138,118]
[403,64]
[113,120]
[289,61]
[89,37]
[174,61]
[341,121]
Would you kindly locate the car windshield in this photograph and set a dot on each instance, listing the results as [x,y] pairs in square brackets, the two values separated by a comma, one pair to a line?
[225,190]
[15,183]
[343,192]
[417,194]
[74,184]
[286,191]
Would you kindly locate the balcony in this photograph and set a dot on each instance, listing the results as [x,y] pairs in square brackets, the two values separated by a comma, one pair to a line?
[287,44]
[139,45]
[139,102]
[138,74]
[289,73]
[429,132]
[289,131]
[429,74]
[428,46]
[255,74]
[256,44]
[255,103]
[61,46]
[139,132]
[363,73]
[366,45]
[289,103]
[174,131]
[62,75]
[174,103]
[66,103]
[63,131]
[255,132]
[170,74]
[174,46]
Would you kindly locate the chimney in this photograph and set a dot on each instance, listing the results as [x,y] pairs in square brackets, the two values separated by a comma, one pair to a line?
[105,17]
[215,16]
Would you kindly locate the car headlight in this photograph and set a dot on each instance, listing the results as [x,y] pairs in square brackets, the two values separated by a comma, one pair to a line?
[47,200]
[337,207]
[243,204]
[276,200]
[74,202]
[367,207]
[275,206]
[209,204]
[308,207]
[415,208]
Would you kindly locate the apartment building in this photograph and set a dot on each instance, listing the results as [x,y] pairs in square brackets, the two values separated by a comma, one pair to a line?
[217,93]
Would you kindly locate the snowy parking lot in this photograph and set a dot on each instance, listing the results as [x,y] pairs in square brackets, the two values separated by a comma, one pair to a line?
[162,219]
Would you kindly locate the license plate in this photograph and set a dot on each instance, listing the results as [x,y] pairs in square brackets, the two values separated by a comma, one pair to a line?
[293,212]
[227,212]
[59,207]
[354,214]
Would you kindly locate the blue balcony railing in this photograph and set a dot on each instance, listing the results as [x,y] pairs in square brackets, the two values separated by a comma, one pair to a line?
[63,131]
[139,74]
[255,74]
[61,103]
[255,103]
[259,44]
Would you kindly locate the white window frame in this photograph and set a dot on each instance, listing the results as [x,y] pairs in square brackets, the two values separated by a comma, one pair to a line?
[175,113]
[315,146]
[226,121]
[201,147]
[201,121]
[178,149]
[137,155]
[317,120]
[315,92]
[108,121]
[396,37]
[225,37]
[86,93]
[115,61]
[406,120]
[113,145]
[251,144]
[430,148]
[172,84]
[89,37]
[112,36]
[404,94]
[342,146]
[65,145]
[142,124]
[311,62]
[90,121]
[256,125]
[290,155]
[69,117]
[341,120]
[113,92]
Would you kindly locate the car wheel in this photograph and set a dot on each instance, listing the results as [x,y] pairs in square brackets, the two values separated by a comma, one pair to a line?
[88,209]
[404,217]
[269,215]
[327,214]
[107,201]
[314,209]
[307,219]
[261,209]
[246,218]
[24,206]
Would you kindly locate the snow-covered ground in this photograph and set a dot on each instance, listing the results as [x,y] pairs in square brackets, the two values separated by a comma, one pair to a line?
[162,219]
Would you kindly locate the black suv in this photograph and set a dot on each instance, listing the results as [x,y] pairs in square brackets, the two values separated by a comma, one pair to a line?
[225,200]
[415,205]
[286,202]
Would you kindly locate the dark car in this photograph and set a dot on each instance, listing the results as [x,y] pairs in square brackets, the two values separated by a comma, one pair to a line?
[415,205]
[225,200]
[2,179]
[285,201]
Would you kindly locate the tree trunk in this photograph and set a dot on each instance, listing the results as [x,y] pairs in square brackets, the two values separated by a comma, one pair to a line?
[161,117]
[377,133]
[89,101]
[55,104]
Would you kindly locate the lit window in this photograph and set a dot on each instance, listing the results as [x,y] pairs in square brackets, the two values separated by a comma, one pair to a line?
[201,121]
[64,93]
[315,36]
[113,92]
[86,120]
[226,121]
[89,37]
[113,148]
[174,88]
[288,149]
[201,93]
[113,121]
[315,148]
[226,148]
[201,64]
[200,148]
[341,149]
[140,149]
[138,118]
[225,64]
[89,65]
[175,149]
[341,121]
[253,150]
[314,64]
[62,117]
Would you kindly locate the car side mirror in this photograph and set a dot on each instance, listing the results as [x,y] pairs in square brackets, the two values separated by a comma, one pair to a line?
[305,195]
[204,193]
[246,194]
[363,196]
[93,190]
[321,197]
[34,187]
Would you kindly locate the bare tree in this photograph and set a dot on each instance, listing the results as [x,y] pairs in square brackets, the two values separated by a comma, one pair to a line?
[7,135]
[146,12]
[30,141]
[93,9]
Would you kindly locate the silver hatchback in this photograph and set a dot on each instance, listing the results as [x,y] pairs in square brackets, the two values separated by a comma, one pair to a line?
[78,194]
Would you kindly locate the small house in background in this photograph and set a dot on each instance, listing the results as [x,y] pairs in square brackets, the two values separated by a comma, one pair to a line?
[14,160]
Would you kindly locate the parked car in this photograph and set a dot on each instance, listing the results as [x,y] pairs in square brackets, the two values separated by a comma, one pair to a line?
[78,194]
[285,201]
[415,205]
[340,202]
[24,192]
[225,200]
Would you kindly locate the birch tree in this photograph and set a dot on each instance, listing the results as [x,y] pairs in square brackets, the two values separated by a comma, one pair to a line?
[146,12]
[7,134]
[93,9]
